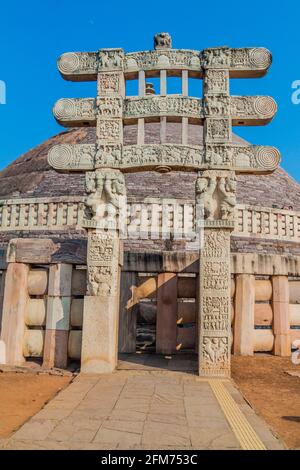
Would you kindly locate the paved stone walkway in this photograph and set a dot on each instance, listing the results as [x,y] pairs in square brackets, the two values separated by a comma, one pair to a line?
[134,409]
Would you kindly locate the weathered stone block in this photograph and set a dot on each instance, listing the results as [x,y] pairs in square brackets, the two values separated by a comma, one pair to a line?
[166,327]
[55,349]
[100,334]
[33,343]
[129,307]
[263,290]
[2,287]
[263,314]
[77,306]
[36,312]
[186,337]
[294,310]
[294,288]
[2,352]
[282,345]
[244,314]
[187,287]
[263,340]
[58,313]
[79,281]
[60,280]
[281,304]
[15,305]
[186,312]
[75,344]
[38,282]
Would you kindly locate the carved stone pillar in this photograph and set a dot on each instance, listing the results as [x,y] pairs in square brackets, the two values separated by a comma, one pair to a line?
[216,195]
[101,305]
[216,199]
[105,209]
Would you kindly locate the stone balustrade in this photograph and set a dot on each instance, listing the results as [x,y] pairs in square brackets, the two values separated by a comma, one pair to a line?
[154,218]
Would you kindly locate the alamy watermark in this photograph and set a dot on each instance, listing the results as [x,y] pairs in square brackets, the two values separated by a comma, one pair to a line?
[2,92]
[296,94]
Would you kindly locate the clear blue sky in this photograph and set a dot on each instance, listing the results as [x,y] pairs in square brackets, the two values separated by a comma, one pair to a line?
[34,33]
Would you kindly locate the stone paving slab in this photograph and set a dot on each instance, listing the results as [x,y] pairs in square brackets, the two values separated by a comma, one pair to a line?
[137,409]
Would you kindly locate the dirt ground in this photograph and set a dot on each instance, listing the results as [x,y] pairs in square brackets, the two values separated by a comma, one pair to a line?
[262,379]
[273,393]
[23,395]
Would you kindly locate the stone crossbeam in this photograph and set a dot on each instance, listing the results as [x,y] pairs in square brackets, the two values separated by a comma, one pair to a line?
[162,157]
[243,110]
[241,63]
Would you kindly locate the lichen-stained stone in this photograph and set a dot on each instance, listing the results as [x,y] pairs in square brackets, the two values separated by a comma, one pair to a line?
[58,313]
[34,343]
[281,323]
[263,340]
[2,352]
[15,305]
[74,344]
[244,314]
[60,280]
[36,312]
[99,339]
[79,282]
[55,349]
[38,282]
[77,312]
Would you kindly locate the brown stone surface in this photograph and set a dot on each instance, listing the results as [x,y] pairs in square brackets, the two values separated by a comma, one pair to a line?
[22,395]
[263,314]
[128,313]
[187,287]
[166,327]
[56,349]
[263,290]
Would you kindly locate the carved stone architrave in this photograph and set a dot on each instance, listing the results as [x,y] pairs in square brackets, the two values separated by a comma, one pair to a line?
[240,158]
[71,112]
[242,62]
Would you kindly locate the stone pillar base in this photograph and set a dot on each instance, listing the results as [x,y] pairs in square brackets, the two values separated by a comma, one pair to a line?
[99,335]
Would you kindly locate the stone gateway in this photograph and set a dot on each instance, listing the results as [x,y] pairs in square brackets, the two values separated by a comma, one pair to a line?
[149,246]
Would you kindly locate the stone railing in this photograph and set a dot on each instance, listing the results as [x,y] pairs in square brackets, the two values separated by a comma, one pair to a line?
[267,223]
[41,213]
[153,217]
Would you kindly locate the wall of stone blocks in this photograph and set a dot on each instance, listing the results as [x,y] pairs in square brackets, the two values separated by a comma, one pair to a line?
[267,314]
[2,285]
[49,312]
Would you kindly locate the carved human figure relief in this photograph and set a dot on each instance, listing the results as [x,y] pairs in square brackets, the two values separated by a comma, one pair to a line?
[216,193]
[106,196]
